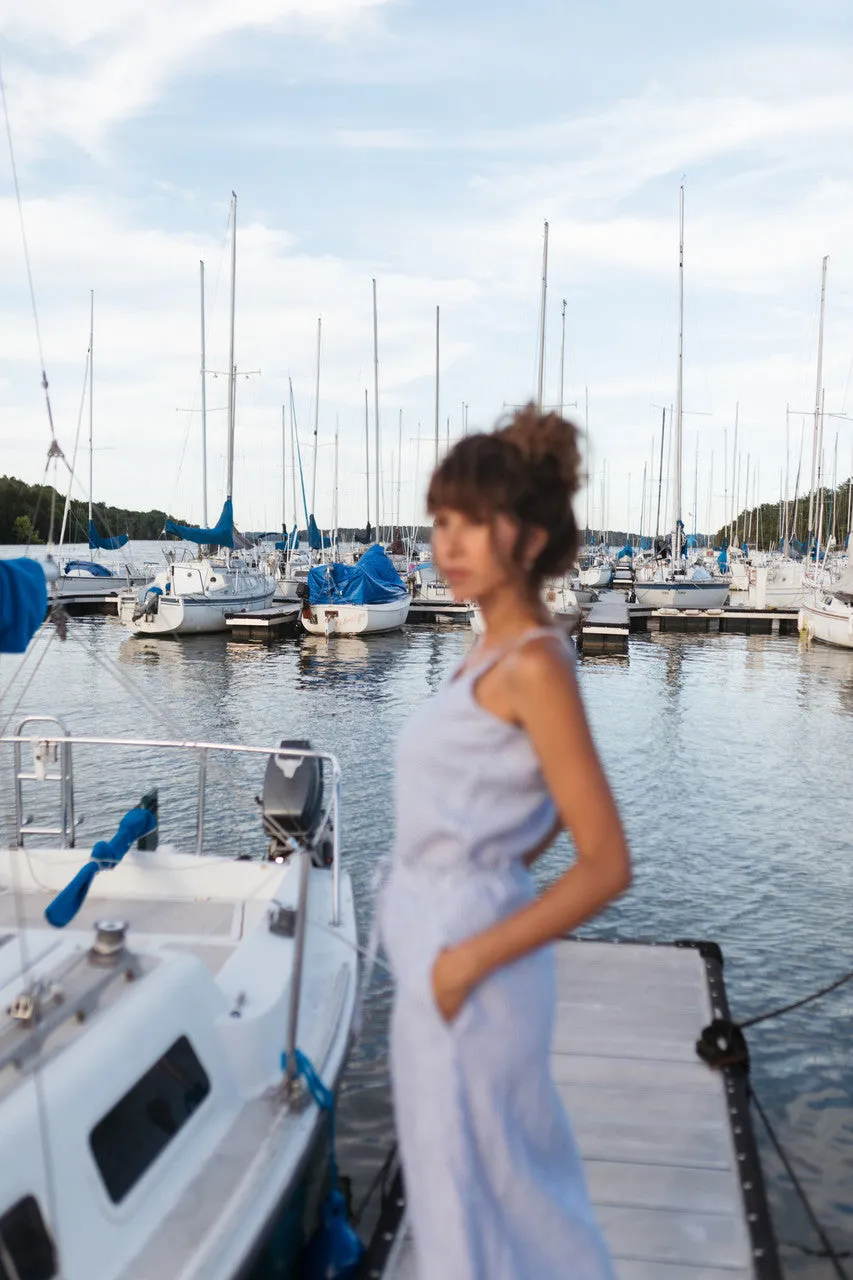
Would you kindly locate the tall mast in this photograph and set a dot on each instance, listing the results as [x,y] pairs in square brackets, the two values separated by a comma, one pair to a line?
[679,375]
[367,453]
[335,511]
[316,419]
[399,462]
[203,407]
[562,357]
[91,390]
[660,469]
[588,454]
[542,320]
[436,381]
[283,472]
[232,368]
[291,546]
[784,531]
[735,472]
[376,405]
[817,407]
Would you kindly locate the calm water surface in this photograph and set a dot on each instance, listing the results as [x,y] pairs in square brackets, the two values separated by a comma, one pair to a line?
[729,757]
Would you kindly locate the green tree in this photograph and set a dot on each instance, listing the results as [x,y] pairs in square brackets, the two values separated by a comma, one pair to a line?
[24,531]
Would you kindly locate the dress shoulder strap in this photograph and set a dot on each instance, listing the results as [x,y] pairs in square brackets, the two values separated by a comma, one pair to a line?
[478,669]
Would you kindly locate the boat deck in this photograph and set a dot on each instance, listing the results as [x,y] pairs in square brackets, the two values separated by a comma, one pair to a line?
[667,1143]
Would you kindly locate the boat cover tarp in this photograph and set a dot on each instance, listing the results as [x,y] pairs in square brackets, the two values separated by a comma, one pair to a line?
[372,580]
[221,535]
[97,543]
[626,552]
[23,603]
[106,854]
[88,566]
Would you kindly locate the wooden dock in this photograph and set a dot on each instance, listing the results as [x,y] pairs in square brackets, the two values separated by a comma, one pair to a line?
[263,626]
[452,614]
[667,1141]
[608,624]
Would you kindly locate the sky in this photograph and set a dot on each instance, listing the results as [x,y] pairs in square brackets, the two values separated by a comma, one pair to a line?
[424,145]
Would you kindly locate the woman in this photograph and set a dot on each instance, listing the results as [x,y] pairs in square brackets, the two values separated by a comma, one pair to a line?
[489,771]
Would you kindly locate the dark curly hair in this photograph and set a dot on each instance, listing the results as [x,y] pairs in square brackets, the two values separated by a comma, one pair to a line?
[527,469]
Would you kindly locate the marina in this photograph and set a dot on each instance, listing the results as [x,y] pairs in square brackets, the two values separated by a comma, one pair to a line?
[315,678]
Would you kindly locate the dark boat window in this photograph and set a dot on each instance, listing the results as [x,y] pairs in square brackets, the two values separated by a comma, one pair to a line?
[130,1137]
[26,1250]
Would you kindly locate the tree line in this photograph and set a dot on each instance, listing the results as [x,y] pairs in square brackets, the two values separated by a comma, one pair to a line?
[26,511]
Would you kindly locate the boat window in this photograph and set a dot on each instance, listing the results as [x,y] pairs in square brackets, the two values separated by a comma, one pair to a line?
[131,1136]
[26,1249]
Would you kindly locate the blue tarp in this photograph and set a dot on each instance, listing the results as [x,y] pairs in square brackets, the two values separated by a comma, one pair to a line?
[88,566]
[221,535]
[626,551]
[23,603]
[97,543]
[106,854]
[373,580]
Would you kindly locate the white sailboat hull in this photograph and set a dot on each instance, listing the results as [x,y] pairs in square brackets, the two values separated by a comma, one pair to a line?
[190,615]
[682,595]
[355,619]
[598,575]
[828,620]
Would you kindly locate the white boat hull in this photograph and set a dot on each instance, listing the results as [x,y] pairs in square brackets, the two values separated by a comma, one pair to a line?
[828,620]
[682,595]
[355,619]
[598,575]
[189,615]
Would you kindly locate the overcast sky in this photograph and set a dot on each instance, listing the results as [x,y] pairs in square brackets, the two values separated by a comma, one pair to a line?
[423,144]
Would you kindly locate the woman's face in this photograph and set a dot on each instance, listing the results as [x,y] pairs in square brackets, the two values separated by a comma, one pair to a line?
[474,558]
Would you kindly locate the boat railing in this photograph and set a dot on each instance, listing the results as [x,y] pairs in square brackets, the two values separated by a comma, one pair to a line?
[55,746]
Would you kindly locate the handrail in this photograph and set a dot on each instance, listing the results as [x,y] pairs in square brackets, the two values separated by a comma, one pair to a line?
[18,739]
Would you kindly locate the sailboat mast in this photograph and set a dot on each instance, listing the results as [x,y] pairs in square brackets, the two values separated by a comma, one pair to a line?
[203,406]
[679,376]
[436,381]
[588,454]
[817,408]
[542,320]
[399,462]
[367,453]
[316,419]
[335,511]
[660,470]
[376,405]
[91,390]
[284,471]
[291,545]
[232,368]
[562,357]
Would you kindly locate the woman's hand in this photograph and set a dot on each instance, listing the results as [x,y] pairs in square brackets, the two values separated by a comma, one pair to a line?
[451,984]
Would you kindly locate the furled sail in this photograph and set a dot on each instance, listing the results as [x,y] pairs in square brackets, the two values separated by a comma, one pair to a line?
[221,535]
[105,544]
[316,540]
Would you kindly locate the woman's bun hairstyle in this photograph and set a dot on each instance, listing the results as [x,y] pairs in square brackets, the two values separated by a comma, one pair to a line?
[529,470]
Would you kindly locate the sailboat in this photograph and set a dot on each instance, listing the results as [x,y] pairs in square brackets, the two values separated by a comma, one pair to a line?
[93,579]
[674,585]
[192,596]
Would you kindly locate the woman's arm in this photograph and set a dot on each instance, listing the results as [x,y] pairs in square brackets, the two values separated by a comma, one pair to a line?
[543,689]
[537,850]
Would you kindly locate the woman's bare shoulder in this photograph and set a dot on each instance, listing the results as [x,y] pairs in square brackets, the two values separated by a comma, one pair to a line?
[542,661]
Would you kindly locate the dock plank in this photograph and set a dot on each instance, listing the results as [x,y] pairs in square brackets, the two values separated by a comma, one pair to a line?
[652,1121]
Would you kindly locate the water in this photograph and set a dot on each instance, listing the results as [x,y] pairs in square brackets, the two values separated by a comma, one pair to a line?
[728,756]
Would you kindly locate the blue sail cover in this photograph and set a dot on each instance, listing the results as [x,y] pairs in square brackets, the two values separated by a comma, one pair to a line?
[106,854]
[626,551]
[88,566]
[373,580]
[23,603]
[221,535]
[290,543]
[97,543]
[315,541]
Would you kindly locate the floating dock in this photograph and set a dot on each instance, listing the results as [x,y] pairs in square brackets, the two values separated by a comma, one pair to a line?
[263,626]
[667,1142]
[452,614]
[609,622]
